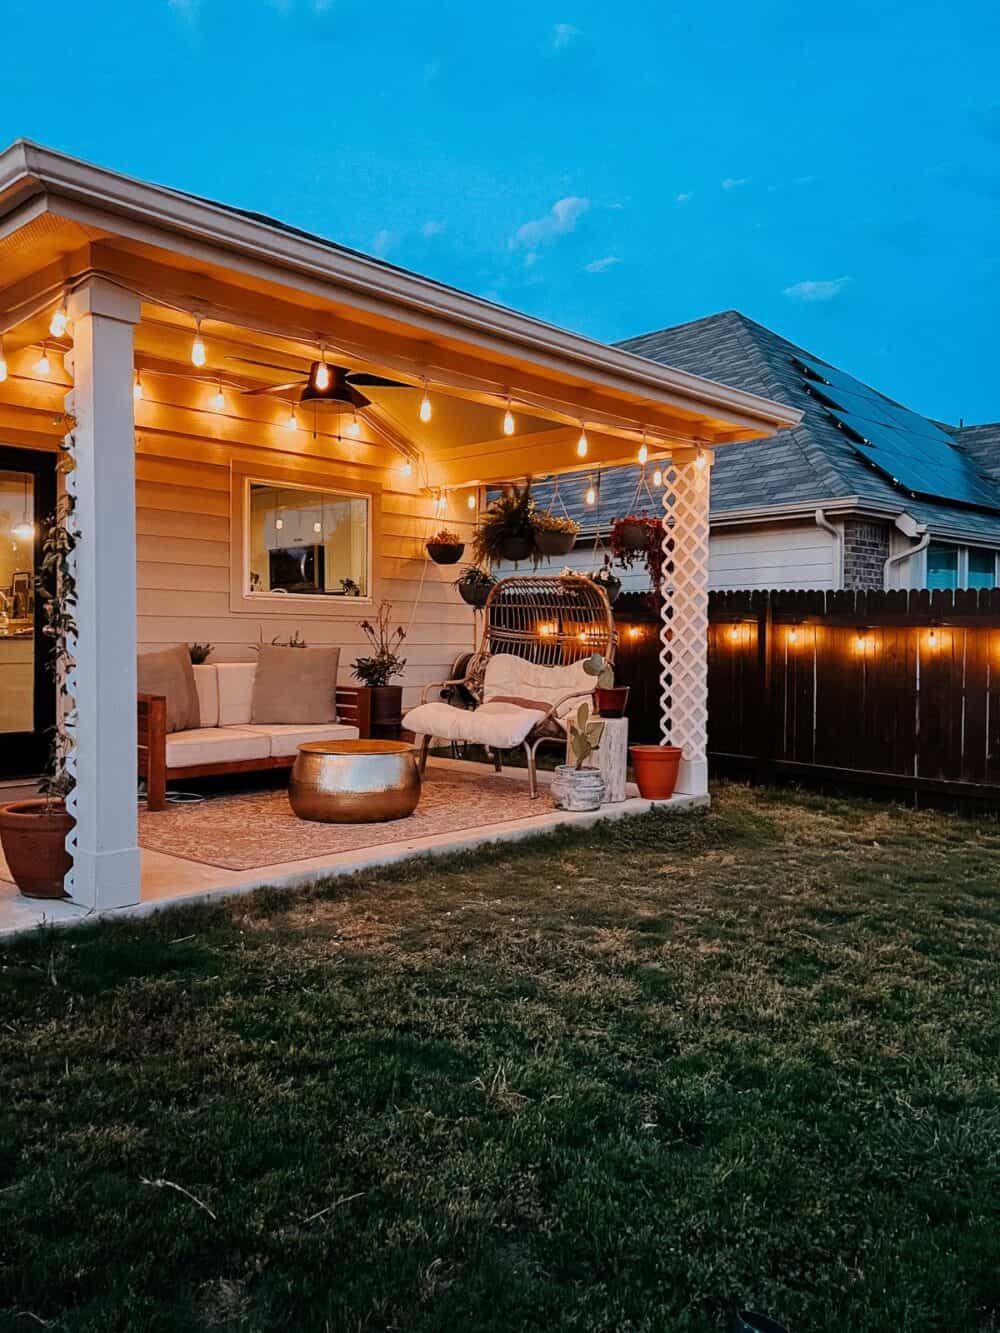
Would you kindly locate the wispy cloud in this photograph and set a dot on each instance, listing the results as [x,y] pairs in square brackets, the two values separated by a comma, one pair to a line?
[735,182]
[382,242]
[561,218]
[816,289]
[599,265]
[684,197]
[432,228]
[563,35]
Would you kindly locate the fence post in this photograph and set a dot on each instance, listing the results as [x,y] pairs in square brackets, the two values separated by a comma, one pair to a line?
[764,758]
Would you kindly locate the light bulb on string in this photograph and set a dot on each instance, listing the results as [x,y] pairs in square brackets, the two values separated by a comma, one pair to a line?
[643,450]
[426,411]
[591,495]
[657,477]
[472,501]
[59,320]
[700,459]
[3,362]
[218,399]
[508,420]
[353,427]
[322,378]
[407,468]
[43,366]
[291,421]
[198,356]
[582,444]
[137,388]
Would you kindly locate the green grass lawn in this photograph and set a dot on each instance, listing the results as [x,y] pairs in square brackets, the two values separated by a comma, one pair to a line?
[622,1080]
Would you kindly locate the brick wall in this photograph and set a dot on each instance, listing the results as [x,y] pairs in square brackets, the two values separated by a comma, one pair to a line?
[866,549]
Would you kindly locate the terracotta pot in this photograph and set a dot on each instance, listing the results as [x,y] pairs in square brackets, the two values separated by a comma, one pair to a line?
[613,701]
[555,543]
[33,834]
[387,711]
[473,593]
[633,536]
[446,553]
[655,769]
[516,548]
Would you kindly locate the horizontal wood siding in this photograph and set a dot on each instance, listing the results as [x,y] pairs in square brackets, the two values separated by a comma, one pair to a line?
[794,555]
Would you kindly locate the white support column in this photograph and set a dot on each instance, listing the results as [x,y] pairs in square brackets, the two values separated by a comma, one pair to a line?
[684,633]
[102,684]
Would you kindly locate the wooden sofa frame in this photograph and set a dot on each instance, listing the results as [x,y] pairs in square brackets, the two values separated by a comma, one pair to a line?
[354,704]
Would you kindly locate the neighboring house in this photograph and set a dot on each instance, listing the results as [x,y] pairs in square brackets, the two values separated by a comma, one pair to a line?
[863,494]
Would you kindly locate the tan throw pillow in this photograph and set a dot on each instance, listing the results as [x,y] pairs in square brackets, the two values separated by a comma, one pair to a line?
[169,672]
[295,685]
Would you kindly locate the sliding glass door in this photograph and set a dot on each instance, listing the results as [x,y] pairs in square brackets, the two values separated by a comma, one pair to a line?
[27,690]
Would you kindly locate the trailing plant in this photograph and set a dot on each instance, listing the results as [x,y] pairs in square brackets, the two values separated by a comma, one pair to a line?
[384,662]
[509,519]
[445,537]
[56,588]
[349,588]
[595,665]
[584,735]
[294,640]
[650,553]
[547,522]
[199,652]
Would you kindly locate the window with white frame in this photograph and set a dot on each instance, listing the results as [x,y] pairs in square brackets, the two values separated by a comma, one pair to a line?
[303,542]
[961,566]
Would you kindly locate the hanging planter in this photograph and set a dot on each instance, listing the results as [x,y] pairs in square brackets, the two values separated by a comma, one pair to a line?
[507,528]
[629,534]
[627,550]
[606,578]
[446,548]
[555,535]
[474,586]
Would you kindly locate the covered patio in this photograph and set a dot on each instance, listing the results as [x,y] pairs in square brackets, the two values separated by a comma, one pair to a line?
[165,343]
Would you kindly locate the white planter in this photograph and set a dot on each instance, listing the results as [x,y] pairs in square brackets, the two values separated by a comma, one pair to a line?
[577,789]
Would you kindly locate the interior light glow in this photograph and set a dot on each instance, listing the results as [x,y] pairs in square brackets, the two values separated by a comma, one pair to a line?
[317,526]
[279,523]
[58,322]
[635,631]
[932,639]
[793,636]
[198,357]
[23,532]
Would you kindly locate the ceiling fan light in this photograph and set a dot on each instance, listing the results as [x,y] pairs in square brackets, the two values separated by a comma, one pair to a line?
[328,384]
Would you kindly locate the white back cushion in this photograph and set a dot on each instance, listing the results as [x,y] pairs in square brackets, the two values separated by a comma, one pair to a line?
[206,682]
[513,677]
[235,692]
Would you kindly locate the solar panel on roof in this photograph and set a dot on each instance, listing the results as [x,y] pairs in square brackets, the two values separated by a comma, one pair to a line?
[907,448]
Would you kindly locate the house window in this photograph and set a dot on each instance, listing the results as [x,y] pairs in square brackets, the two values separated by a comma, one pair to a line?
[942,566]
[982,569]
[307,543]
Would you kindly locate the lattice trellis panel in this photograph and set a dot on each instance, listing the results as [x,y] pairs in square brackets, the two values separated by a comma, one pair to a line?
[684,633]
[67,685]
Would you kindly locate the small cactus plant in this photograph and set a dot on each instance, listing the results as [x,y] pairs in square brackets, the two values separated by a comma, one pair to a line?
[595,665]
[584,735]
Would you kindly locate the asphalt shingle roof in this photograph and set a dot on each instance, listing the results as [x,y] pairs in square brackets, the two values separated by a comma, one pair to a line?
[809,465]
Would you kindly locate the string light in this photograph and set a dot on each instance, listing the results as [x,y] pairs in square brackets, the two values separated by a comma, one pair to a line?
[657,478]
[198,356]
[700,459]
[43,366]
[472,501]
[321,380]
[59,320]
[591,496]
[643,450]
[793,636]
[3,362]
[137,388]
[426,411]
[932,639]
[582,445]
[279,523]
[218,400]
[292,422]
[353,427]
[317,526]
[508,420]
[442,503]
[407,468]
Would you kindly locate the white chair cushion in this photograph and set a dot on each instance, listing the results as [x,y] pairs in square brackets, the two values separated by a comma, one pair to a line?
[508,675]
[285,738]
[235,692]
[206,682]
[500,725]
[215,745]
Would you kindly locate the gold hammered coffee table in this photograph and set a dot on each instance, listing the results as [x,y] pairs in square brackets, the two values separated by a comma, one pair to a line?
[354,782]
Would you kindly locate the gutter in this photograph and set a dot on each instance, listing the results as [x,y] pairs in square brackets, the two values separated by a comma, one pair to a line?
[909,527]
[838,546]
[27,169]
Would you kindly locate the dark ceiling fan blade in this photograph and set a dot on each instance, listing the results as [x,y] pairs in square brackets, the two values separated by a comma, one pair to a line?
[273,388]
[269,365]
[375,381]
[358,399]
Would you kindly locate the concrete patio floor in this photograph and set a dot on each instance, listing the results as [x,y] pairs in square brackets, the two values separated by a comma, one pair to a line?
[167,880]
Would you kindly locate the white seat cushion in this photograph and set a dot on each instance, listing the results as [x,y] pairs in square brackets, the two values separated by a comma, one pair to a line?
[511,676]
[206,682]
[235,692]
[285,738]
[496,724]
[215,745]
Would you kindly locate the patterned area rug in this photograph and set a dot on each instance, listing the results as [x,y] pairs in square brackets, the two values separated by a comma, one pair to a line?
[257,829]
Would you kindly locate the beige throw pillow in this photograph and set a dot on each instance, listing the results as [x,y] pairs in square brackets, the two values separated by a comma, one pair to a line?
[169,672]
[295,685]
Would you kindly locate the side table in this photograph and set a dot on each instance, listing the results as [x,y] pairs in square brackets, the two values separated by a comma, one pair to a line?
[610,757]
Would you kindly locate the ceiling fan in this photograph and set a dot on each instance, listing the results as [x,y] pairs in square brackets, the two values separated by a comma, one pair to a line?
[325,385]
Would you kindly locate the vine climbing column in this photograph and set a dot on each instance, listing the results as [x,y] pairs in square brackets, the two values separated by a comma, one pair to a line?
[684,631]
[101,684]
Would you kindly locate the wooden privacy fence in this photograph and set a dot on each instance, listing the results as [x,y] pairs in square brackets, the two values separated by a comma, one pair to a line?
[890,689]
[886,689]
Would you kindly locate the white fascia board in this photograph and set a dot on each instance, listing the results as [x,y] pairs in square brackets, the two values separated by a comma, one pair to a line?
[26,167]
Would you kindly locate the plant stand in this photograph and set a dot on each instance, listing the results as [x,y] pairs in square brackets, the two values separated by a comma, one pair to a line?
[610,758]
[386,710]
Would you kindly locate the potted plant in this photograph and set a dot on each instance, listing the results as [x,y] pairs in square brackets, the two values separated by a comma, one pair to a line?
[609,700]
[376,671]
[507,528]
[33,832]
[555,535]
[474,586]
[575,787]
[199,653]
[655,768]
[635,539]
[446,547]
[606,578]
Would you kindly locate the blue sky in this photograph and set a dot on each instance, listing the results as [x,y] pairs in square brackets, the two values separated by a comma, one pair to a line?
[831,170]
